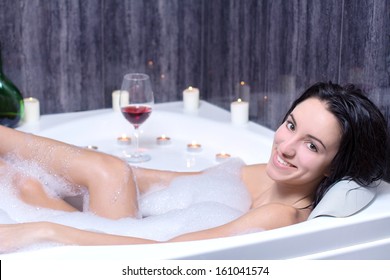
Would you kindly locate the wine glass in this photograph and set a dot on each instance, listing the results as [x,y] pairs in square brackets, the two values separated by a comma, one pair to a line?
[136,100]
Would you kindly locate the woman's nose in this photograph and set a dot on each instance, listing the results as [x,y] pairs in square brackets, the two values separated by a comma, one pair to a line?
[288,147]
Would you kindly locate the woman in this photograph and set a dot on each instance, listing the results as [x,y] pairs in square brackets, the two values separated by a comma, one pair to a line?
[326,136]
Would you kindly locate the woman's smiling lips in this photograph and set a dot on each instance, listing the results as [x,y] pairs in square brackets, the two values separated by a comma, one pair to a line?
[280,162]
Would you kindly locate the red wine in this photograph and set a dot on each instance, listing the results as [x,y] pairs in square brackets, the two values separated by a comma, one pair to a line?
[136,114]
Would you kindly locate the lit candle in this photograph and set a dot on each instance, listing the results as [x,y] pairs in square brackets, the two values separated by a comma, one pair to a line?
[191,99]
[31,110]
[124,140]
[239,111]
[194,147]
[163,140]
[222,156]
[117,96]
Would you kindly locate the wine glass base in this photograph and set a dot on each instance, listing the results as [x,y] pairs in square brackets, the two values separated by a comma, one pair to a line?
[137,158]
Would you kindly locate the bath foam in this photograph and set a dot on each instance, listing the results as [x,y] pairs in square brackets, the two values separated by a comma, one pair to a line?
[189,204]
[221,183]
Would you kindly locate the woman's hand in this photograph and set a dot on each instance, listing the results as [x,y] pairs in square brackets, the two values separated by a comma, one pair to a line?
[17,236]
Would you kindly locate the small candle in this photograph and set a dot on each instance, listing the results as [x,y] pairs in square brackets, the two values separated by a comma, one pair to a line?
[191,99]
[163,140]
[239,111]
[31,110]
[119,98]
[222,156]
[124,140]
[194,147]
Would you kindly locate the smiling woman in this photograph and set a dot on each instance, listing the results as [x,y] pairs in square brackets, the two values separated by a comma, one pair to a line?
[303,149]
[360,156]
[319,143]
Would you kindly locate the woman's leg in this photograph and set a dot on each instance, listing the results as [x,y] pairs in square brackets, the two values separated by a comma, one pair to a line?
[31,191]
[110,182]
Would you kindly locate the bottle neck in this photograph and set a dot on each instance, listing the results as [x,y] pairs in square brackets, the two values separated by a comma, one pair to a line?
[1,65]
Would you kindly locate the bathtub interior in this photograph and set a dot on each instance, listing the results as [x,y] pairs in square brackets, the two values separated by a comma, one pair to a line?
[321,237]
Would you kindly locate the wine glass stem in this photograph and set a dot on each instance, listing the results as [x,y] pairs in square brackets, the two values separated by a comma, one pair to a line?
[136,137]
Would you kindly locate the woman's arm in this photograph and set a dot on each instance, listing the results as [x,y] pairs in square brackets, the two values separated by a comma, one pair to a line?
[17,236]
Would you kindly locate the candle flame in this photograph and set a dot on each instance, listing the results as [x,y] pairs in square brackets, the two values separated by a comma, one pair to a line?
[242,83]
[163,136]
[239,100]
[190,88]
[30,99]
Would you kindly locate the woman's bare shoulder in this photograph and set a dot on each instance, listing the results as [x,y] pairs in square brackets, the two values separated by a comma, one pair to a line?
[275,215]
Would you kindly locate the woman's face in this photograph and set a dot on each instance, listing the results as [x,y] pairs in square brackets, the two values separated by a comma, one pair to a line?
[304,145]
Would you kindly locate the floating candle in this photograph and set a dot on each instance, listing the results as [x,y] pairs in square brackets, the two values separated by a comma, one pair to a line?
[163,140]
[124,140]
[222,156]
[239,111]
[194,147]
[31,110]
[191,99]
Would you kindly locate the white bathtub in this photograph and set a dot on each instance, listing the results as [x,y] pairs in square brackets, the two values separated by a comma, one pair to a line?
[365,235]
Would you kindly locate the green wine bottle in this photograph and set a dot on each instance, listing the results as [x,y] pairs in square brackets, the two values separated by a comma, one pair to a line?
[11,101]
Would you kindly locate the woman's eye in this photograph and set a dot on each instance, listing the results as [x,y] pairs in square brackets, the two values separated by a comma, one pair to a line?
[312,147]
[290,126]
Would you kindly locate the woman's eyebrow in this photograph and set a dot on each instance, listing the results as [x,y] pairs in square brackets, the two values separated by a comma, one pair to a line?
[308,135]
[318,140]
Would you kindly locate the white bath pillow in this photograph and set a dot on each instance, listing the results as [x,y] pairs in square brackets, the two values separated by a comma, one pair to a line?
[344,199]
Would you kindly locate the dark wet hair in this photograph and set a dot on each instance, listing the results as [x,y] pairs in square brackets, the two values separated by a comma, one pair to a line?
[363,148]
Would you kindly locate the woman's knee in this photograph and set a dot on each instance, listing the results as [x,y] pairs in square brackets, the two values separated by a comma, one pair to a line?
[113,191]
[111,172]
[30,190]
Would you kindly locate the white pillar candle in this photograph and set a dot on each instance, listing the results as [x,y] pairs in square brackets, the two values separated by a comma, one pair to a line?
[239,112]
[191,99]
[31,110]
[116,96]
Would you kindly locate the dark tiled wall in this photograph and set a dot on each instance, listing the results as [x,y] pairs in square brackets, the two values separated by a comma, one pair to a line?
[72,54]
